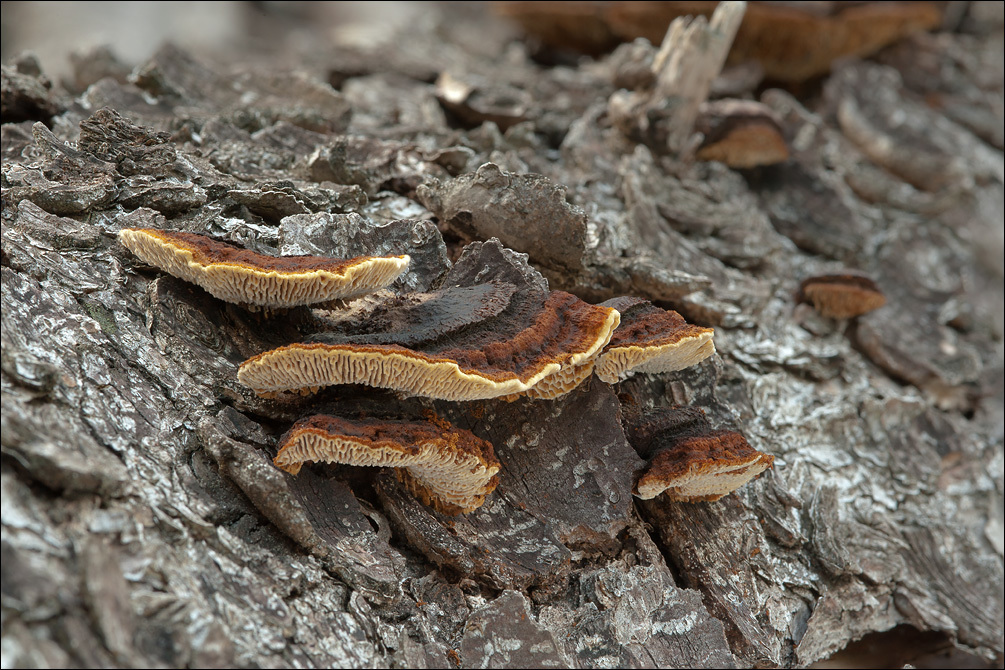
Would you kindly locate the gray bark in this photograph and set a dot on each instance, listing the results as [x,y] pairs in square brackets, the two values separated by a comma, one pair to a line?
[144,524]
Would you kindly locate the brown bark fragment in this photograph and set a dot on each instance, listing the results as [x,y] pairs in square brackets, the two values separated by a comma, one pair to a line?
[526,213]
[574,477]
[499,543]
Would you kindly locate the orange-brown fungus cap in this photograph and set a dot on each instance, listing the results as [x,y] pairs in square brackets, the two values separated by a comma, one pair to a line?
[741,134]
[842,296]
[502,356]
[577,26]
[651,339]
[248,278]
[792,42]
[692,462]
[447,467]
[793,45]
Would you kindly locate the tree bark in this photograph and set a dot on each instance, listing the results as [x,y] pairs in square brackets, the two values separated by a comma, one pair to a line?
[144,524]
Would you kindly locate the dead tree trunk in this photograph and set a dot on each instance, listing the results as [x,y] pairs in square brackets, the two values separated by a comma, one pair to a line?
[144,524]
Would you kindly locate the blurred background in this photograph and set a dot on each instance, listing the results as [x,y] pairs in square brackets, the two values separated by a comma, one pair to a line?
[64,34]
[134,30]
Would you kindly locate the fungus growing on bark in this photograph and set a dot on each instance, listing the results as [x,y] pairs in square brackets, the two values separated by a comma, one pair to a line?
[565,380]
[249,278]
[446,467]
[792,41]
[651,339]
[691,462]
[842,295]
[741,134]
[499,356]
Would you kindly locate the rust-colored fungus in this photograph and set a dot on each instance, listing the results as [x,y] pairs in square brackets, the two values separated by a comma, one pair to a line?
[248,278]
[795,45]
[792,41]
[741,134]
[446,467]
[499,356]
[577,26]
[651,339]
[843,295]
[691,462]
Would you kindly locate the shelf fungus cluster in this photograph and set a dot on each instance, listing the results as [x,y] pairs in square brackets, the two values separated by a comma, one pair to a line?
[498,356]
[689,460]
[494,331]
[256,280]
[549,353]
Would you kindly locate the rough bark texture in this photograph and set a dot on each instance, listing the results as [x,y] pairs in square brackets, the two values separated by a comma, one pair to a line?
[144,524]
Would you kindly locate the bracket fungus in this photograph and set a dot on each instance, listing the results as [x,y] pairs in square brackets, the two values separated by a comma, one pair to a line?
[500,356]
[651,339]
[249,278]
[446,467]
[740,133]
[842,295]
[495,331]
[793,41]
[691,462]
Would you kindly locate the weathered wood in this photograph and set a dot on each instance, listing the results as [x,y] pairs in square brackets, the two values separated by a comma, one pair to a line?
[145,525]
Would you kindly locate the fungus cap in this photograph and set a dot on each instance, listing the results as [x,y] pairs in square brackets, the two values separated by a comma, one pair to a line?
[842,295]
[564,332]
[793,42]
[447,467]
[249,278]
[702,468]
[651,339]
[741,134]
[689,461]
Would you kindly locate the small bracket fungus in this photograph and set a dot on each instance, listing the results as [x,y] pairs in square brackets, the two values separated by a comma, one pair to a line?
[842,296]
[248,278]
[741,134]
[497,357]
[693,462]
[446,467]
[651,339]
